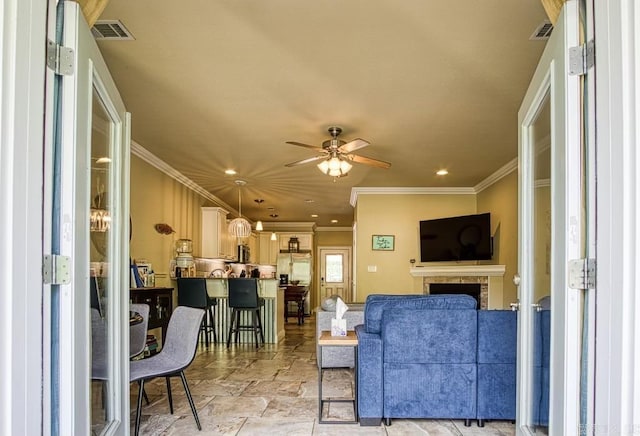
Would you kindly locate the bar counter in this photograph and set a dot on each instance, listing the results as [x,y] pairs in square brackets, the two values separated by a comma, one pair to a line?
[271,313]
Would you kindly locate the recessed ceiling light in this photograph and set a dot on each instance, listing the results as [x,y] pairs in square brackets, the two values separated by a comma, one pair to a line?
[230,172]
[102,160]
[308,200]
[314,215]
[259,200]
[274,215]
[442,172]
[271,208]
[334,221]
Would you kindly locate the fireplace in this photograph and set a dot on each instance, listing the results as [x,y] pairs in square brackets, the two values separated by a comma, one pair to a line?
[472,289]
[488,278]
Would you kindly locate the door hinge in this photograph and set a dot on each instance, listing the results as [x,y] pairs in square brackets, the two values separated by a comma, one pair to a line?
[582,58]
[56,269]
[582,273]
[60,58]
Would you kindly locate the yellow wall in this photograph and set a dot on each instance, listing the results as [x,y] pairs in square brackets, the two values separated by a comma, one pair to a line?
[328,239]
[158,198]
[501,200]
[397,215]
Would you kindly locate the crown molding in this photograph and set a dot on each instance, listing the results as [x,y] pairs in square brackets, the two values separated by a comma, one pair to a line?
[153,160]
[302,226]
[503,171]
[357,190]
[334,229]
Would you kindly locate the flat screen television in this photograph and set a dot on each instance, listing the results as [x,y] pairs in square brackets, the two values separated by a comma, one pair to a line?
[457,238]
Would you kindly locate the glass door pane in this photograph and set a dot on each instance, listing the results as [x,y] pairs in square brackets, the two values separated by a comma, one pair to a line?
[99,261]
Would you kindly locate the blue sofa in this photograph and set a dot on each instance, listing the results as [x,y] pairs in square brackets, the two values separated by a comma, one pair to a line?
[434,356]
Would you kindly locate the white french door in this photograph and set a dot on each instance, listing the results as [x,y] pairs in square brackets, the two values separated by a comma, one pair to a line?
[551,232]
[93,202]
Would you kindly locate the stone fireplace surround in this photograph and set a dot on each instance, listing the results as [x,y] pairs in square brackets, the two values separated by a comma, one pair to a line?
[488,276]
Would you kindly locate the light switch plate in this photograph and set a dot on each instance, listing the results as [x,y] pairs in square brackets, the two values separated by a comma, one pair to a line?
[372,268]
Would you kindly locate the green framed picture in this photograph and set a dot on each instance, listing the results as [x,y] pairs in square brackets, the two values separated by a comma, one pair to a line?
[383,242]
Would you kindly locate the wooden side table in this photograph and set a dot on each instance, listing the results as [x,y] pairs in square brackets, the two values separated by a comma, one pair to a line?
[351,340]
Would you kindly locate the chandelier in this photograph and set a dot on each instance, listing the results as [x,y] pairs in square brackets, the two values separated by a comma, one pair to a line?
[100,218]
[335,166]
[240,227]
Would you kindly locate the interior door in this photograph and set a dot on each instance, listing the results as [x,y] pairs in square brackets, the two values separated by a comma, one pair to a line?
[550,234]
[94,229]
[335,273]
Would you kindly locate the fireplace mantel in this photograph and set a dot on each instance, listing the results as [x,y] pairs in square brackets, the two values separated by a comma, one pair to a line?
[458,271]
[488,276]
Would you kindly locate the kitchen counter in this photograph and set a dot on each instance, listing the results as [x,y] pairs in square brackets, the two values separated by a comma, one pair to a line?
[272,324]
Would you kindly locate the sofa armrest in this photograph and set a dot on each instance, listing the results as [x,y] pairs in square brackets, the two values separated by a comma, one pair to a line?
[370,382]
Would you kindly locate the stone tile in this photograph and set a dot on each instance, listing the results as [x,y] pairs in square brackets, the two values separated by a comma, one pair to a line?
[431,427]
[239,407]
[282,407]
[275,426]
[273,389]
[346,429]
[225,388]
[155,424]
[211,426]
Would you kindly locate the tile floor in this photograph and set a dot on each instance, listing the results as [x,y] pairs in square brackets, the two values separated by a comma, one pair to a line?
[271,391]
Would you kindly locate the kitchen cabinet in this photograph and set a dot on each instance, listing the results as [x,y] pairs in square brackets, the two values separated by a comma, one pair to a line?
[252,242]
[267,249]
[216,241]
[305,240]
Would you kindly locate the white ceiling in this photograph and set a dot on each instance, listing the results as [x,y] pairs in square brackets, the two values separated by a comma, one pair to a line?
[217,84]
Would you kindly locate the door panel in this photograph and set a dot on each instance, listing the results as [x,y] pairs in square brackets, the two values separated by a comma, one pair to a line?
[335,273]
[94,234]
[550,235]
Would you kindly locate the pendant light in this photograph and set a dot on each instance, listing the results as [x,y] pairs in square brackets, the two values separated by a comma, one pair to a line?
[259,227]
[240,227]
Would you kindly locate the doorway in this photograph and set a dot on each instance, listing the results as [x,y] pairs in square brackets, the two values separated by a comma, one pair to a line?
[335,273]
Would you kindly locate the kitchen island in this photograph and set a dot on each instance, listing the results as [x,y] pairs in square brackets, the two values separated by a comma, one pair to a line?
[271,313]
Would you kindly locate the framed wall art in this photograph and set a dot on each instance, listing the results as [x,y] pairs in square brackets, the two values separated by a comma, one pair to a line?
[383,243]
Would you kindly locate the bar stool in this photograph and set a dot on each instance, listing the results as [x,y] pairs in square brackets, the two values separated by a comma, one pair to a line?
[192,292]
[243,297]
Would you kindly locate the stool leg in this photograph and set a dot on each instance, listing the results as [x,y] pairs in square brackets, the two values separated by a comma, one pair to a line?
[254,325]
[206,330]
[237,328]
[233,318]
[260,325]
[212,312]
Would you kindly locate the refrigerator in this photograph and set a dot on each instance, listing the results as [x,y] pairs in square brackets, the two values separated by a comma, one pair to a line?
[298,266]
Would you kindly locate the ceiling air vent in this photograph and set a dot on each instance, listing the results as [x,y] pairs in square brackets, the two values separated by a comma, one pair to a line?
[542,32]
[111,29]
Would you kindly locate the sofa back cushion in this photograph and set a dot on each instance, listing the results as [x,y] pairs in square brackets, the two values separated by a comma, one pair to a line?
[377,304]
[431,336]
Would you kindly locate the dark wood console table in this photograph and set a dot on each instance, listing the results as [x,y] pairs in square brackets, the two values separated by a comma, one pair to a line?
[160,303]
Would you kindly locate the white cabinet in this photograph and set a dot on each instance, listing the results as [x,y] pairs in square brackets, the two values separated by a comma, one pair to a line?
[267,250]
[215,238]
[305,240]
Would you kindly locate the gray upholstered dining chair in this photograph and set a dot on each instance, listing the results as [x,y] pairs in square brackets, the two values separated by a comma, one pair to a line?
[177,353]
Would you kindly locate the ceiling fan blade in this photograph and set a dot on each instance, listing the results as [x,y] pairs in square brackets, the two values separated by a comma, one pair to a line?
[369,161]
[354,145]
[307,160]
[300,144]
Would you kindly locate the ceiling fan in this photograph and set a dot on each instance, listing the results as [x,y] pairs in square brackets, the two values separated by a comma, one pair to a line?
[337,154]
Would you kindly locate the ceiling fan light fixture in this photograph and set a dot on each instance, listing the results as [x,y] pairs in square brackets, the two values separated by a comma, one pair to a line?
[335,167]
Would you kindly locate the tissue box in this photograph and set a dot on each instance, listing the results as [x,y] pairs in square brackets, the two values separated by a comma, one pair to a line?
[338,327]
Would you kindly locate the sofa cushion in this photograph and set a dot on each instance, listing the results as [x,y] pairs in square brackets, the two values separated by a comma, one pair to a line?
[376,304]
[497,336]
[432,336]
